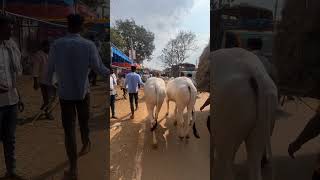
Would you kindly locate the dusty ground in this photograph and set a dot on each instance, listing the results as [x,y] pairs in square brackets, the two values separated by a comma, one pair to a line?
[41,154]
[132,156]
[40,148]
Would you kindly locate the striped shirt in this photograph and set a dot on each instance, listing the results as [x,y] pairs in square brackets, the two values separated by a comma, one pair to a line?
[7,74]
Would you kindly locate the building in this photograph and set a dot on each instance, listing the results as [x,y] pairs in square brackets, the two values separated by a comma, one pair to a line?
[176,70]
[39,20]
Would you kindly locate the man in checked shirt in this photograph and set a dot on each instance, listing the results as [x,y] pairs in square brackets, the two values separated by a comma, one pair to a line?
[10,67]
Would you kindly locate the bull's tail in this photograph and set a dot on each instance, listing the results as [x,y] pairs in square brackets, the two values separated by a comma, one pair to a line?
[195,131]
[263,110]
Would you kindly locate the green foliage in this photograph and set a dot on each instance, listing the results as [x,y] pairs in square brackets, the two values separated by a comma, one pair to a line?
[117,39]
[139,37]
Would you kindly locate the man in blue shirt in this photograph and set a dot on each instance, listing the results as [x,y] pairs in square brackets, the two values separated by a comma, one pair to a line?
[133,80]
[72,57]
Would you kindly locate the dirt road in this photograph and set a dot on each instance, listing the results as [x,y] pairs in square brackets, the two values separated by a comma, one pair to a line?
[132,156]
[40,149]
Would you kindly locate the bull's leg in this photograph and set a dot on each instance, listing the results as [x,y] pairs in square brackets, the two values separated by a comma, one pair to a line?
[188,123]
[153,124]
[255,146]
[223,162]
[180,121]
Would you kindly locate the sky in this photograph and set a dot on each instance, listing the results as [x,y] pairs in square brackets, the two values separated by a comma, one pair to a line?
[165,18]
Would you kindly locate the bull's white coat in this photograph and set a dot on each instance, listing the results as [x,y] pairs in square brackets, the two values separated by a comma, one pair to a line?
[240,115]
[154,95]
[182,91]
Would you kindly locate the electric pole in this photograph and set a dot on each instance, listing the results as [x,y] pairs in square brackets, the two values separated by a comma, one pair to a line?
[75,2]
[3,6]
[275,21]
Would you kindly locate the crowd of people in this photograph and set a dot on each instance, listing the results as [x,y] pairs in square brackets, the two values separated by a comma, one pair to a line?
[128,83]
[61,66]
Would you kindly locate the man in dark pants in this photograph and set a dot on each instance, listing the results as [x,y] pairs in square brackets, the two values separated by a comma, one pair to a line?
[10,67]
[93,78]
[72,57]
[133,80]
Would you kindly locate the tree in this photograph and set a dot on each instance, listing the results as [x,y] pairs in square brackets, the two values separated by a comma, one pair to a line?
[138,37]
[168,55]
[117,39]
[178,49]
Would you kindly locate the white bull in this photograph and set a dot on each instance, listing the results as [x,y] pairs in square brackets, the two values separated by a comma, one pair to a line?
[154,95]
[244,106]
[182,91]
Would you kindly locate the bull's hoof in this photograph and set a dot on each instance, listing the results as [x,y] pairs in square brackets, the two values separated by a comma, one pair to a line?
[175,123]
[155,146]
[187,136]
[181,138]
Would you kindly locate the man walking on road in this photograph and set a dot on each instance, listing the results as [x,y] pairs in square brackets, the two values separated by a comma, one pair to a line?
[113,92]
[40,71]
[133,80]
[10,67]
[72,57]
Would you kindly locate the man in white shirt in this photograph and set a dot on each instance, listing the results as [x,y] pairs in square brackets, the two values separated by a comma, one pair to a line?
[40,71]
[133,80]
[122,86]
[113,92]
[10,67]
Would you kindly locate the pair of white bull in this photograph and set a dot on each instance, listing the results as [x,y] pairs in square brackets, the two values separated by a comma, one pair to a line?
[180,90]
[244,106]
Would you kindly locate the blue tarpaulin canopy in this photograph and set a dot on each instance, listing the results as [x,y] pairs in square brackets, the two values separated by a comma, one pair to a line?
[121,54]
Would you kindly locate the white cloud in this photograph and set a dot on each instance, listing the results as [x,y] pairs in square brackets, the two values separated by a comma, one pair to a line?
[165,18]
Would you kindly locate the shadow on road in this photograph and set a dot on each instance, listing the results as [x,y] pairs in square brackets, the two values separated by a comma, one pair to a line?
[123,150]
[294,169]
[50,173]
[284,168]
[189,159]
